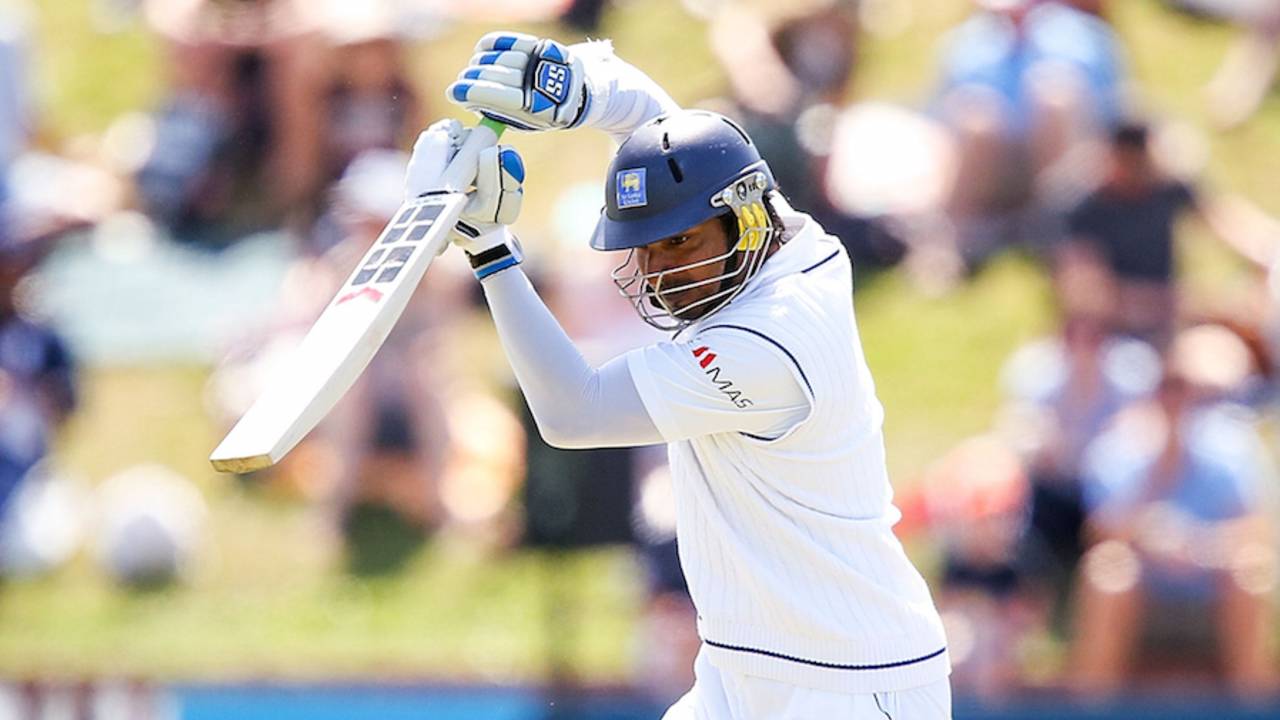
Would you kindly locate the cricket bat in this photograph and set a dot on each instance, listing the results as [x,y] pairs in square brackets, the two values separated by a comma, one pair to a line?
[354,324]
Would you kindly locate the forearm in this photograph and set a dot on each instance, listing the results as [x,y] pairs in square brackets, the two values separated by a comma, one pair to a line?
[574,404]
[741,42]
[1243,227]
[622,97]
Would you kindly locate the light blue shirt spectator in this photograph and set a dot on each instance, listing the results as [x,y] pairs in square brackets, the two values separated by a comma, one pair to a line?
[988,51]
[1037,380]
[1222,477]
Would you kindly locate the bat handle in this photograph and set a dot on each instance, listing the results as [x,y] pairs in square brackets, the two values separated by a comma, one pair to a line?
[461,171]
[496,126]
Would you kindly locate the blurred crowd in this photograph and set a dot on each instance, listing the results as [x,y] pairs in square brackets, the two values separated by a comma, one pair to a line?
[1115,527]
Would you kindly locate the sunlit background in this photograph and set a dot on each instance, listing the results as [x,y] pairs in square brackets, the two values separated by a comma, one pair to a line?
[1063,222]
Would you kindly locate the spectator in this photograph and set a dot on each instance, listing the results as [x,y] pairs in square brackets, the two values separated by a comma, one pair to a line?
[579,498]
[37,374]
[236,134]
[974,500]
[1023,83]
[1248,72]
[369,102]
[1181,541]
[1062,393]
[789,73]
[1127,224]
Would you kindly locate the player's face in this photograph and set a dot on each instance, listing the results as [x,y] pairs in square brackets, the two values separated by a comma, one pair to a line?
[673,257]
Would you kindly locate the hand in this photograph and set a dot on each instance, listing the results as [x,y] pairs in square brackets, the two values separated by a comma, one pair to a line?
[526,82]
[493,182]
[433,151]
[495,202]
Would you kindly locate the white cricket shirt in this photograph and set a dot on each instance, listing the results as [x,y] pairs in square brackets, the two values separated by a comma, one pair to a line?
[785,533]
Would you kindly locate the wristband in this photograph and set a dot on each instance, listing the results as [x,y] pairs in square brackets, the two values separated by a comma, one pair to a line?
[492,261]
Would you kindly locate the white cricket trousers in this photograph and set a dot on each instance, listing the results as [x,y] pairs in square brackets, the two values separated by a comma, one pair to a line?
[720,695]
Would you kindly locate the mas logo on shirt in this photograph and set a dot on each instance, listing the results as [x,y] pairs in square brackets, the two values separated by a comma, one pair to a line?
[631,188]
[707,361]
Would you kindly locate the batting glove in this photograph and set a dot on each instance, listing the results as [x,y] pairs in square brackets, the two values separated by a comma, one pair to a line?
[493,203]
[526,82]
[432,153]
[483,230]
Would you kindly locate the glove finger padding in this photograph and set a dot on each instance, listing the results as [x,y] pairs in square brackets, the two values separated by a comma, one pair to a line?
[498,75]
[432,151]
[507,40]
[499,58]
[499,189]
[511,181]
[490,98]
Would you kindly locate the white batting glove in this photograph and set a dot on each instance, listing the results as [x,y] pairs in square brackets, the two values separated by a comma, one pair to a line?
[493,203]
[432,153]
[526,82]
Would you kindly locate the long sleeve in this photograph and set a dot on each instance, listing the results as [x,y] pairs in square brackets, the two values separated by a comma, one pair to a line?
[574,404]
[622,97]
[724,379]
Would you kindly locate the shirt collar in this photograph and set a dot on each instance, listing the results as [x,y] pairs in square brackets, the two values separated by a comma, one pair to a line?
[804,248]
[801,250]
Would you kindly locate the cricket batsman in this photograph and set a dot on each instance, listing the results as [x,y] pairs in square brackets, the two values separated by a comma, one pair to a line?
[808,607]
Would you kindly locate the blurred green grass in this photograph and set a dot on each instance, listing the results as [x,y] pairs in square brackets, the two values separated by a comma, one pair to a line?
[270,600]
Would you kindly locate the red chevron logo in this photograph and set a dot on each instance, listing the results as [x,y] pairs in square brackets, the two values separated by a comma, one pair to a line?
[723,384]
[374,295]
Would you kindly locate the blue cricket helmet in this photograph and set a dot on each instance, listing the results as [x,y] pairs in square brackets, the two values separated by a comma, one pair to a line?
[666,175]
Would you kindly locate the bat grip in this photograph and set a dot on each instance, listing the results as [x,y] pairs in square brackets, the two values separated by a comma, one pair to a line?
[496,126]
[460,173]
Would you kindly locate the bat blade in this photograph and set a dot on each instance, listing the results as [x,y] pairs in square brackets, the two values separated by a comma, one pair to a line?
[345,337]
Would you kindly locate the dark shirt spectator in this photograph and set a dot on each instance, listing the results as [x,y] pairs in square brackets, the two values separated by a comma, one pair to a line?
[1126,226]
[1134,233]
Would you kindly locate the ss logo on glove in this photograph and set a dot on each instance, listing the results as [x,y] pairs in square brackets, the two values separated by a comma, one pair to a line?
[527,82]
[552,80]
